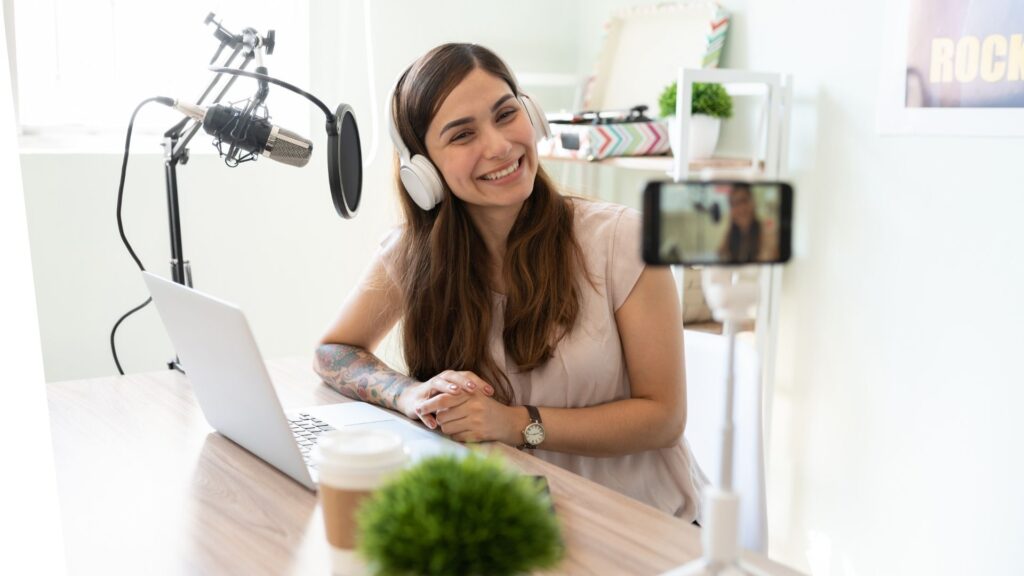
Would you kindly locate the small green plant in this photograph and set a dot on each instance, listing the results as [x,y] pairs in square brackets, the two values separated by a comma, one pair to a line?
[710,99]
[448,515]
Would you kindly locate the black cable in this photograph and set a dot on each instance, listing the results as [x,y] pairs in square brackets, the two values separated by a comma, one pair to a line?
[256,75]
[120,225]
[113,347]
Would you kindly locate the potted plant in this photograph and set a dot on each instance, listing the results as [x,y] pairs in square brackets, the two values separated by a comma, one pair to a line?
[451,515]
[710,104]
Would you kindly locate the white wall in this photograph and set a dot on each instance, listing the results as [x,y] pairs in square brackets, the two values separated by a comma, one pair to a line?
[898,377]
[893,445]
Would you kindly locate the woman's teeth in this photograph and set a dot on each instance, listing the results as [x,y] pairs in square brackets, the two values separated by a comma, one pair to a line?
[503,173]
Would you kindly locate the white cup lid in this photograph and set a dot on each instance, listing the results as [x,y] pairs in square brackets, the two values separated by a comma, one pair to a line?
[363,452]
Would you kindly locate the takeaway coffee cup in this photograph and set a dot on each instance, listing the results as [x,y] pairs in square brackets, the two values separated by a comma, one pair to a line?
[351,465]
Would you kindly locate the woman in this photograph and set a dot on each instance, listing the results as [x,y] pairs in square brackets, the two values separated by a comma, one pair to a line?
[528,317]
[747,239]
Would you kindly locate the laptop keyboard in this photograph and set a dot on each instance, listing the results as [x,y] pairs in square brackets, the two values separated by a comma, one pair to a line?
[306,430]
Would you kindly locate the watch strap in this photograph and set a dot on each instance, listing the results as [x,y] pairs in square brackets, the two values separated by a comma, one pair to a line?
[534,414]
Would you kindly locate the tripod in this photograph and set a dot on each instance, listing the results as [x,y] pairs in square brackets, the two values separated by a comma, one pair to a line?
[732,295]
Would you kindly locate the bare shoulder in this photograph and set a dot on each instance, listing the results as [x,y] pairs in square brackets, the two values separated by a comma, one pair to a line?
[372,306]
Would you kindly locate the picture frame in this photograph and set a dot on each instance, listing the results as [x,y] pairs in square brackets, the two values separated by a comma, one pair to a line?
[935,56]
[644,48]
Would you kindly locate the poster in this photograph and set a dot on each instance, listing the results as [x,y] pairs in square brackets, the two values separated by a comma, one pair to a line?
[954,67]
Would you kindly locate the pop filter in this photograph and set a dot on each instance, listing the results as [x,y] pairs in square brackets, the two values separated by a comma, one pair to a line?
[345,162]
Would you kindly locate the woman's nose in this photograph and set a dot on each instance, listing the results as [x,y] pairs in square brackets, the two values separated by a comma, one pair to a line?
[497,146]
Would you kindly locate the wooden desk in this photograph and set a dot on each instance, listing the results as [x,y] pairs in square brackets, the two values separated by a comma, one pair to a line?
[147,487]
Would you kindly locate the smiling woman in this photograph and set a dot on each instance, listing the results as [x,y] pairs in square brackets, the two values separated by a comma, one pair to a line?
[527,317]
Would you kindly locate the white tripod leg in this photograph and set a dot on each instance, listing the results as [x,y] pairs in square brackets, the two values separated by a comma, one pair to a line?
[732,295]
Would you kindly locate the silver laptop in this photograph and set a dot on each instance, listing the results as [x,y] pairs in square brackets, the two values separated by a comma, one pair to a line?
[220,357]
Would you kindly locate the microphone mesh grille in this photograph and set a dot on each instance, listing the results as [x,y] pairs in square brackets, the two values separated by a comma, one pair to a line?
[289,148]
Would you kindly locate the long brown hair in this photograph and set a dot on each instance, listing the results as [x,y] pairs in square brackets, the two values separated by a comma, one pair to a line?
[446,293]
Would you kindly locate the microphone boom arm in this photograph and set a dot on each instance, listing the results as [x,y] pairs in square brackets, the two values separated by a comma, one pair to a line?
[265,78]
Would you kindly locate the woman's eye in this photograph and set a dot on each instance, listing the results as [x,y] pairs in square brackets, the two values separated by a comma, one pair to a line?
[461,136]
[505,114]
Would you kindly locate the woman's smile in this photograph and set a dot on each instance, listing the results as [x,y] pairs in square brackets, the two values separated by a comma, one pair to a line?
[508,173]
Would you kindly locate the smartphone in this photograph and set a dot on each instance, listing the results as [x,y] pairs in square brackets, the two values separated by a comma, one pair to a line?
[726,222]
[542,483]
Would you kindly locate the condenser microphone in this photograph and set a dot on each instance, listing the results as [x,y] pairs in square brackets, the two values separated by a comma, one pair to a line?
[250,133]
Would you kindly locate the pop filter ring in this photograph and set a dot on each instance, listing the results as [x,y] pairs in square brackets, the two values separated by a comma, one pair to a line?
[342,188]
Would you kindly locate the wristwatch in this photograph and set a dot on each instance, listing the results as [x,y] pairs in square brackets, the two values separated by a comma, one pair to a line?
[533,434]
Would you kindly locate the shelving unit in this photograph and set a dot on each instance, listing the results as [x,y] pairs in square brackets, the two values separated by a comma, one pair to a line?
[769,154]
[666,164]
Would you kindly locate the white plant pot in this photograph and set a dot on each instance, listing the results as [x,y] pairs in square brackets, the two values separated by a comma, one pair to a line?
[704,132]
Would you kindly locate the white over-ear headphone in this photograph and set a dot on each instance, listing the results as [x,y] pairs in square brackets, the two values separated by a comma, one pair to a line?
[419,175]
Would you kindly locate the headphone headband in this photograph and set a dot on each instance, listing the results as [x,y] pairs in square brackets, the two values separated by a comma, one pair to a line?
[396,138]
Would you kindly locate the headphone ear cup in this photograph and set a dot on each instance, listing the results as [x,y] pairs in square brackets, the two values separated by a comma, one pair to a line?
[422,182]
[541,129]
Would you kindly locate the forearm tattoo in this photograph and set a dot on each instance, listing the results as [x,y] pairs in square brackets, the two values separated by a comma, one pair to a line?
[360,375]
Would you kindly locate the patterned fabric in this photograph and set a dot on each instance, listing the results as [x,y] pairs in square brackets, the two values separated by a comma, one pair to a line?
[607,140]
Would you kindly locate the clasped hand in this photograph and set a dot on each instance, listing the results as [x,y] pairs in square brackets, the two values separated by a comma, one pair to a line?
[462,404]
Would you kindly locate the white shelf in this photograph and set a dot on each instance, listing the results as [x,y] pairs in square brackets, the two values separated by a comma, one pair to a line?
[664,164]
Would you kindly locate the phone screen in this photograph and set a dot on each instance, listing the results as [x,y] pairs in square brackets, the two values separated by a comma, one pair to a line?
[717,222]
[542,483]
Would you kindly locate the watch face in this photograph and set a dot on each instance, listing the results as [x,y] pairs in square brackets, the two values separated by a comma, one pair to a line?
[534,434]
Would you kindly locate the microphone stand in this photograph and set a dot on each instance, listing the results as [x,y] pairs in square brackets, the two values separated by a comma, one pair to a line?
[344,163]
[177,138]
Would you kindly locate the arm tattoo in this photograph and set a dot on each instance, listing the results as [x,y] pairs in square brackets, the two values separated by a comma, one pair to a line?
[356,373]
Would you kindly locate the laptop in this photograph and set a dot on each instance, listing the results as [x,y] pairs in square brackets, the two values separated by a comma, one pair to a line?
[217,350]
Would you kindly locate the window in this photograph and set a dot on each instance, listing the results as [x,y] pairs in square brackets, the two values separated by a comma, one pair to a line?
[84,65]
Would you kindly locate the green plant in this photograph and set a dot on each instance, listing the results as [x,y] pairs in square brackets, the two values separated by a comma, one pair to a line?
[448,515]
[710,99]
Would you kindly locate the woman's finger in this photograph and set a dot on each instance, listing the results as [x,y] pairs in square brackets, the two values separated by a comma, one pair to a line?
[428,420]
[469,381]
[448,418]
[457,380]
[441,402]
[441,385]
